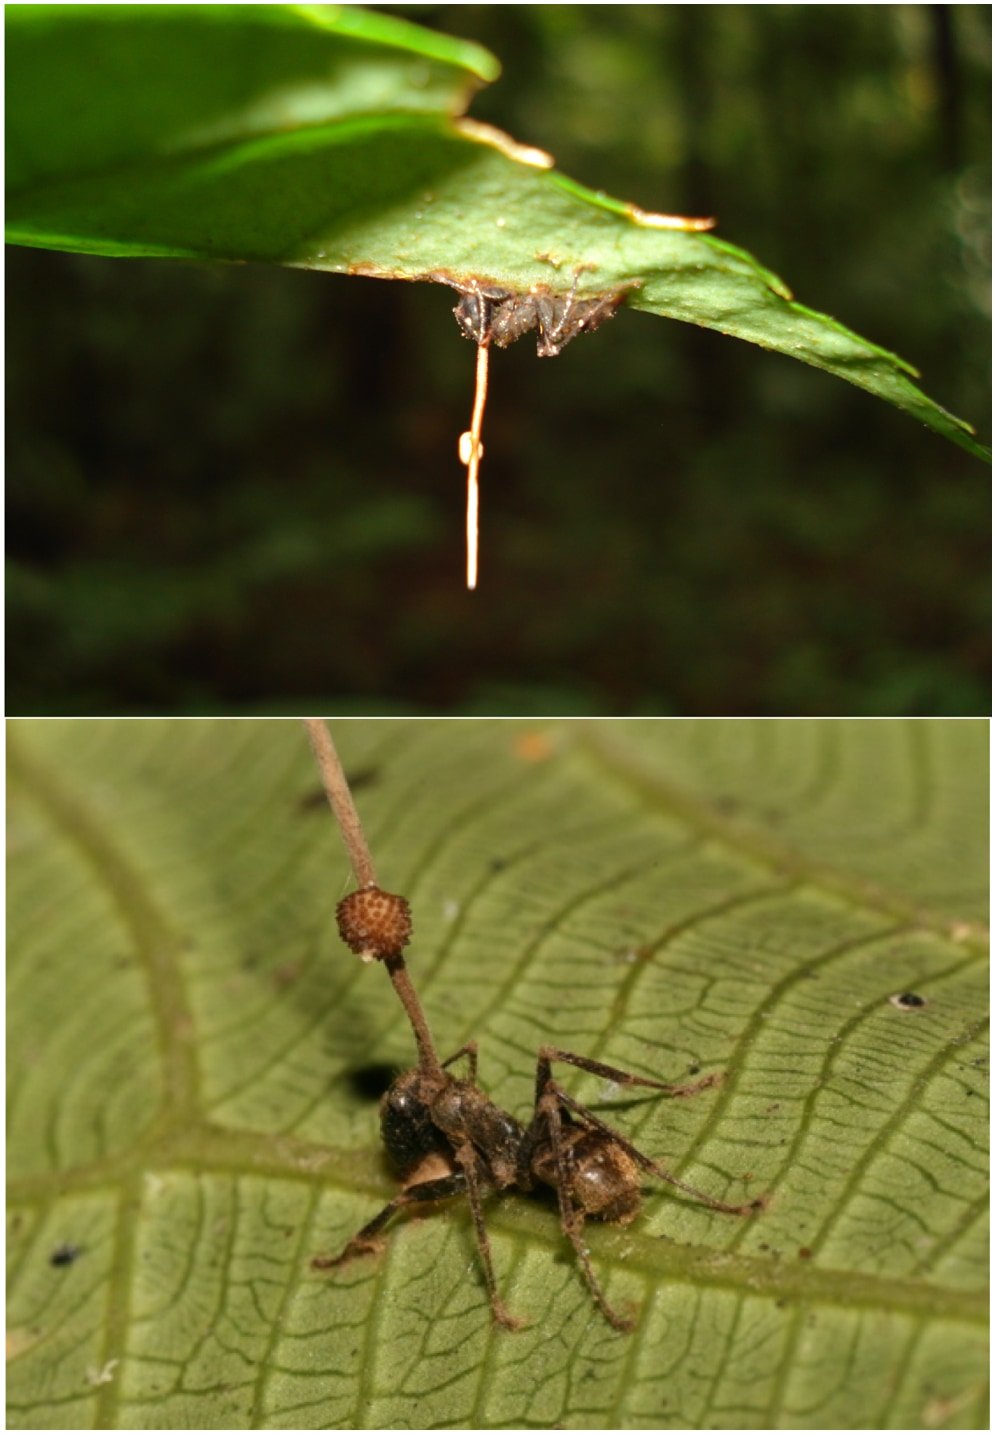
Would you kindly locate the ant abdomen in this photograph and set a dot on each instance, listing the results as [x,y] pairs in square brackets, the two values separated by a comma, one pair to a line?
[604,1179]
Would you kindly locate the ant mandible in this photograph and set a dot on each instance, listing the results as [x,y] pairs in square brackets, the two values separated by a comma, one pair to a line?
[445,1136]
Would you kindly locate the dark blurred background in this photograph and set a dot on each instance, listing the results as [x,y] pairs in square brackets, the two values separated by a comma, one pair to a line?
[236,489]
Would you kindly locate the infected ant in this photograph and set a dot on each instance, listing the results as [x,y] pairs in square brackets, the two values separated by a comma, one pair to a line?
[488,314]
[446,1137]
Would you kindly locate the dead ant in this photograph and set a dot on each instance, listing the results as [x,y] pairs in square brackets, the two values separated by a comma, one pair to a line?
[488,314]
[446,1137]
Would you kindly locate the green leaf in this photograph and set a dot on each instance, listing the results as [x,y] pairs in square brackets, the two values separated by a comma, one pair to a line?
[328,138]
[175,80]
[188,1040]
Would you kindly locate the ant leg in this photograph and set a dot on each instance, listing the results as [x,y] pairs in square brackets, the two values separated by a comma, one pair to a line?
[365,1241]
[466,1158]
[556,325]
[572,1219]
[547,1054]
[470,1051]
[750,1208]
[569,305]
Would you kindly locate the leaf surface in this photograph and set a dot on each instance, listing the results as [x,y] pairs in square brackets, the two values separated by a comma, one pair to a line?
[329,138]
[193,1059]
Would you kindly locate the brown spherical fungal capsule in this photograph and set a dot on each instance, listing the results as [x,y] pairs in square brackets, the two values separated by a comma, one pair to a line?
[373,923]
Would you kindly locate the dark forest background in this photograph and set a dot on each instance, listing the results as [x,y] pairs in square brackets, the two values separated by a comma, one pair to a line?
[236,489]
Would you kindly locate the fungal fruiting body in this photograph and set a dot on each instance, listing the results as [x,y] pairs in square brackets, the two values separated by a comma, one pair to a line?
[488,314]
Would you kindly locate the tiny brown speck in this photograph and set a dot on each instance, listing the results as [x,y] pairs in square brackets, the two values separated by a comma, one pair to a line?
[374,923]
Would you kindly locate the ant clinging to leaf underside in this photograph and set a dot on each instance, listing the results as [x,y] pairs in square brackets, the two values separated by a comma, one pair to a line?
[446,1137]
[489,314]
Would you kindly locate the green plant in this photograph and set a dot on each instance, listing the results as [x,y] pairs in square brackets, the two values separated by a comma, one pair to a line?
[200,453]
[332,138]
[193,1059]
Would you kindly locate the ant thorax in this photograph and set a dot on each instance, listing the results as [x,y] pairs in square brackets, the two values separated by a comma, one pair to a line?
[468,1115]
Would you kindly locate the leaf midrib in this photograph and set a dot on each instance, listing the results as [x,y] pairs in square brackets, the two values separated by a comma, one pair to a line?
[211,1150]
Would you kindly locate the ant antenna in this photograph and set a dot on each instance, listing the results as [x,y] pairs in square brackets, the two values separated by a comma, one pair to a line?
[471,451]
[374,923]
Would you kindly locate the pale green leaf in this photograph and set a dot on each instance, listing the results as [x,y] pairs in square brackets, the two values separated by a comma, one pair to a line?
[186,1036]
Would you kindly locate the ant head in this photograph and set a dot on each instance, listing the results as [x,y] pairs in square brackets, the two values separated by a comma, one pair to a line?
[473,314]
[475,310]
[406,1123]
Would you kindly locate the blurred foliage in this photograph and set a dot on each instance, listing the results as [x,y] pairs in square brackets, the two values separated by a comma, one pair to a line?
[236,489]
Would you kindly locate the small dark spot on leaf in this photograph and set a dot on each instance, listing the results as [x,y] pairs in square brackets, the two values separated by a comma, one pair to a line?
[287,974]
[365,777]
[370,1082]
[498,863]
[805,1253]
[694,1068]
[907,1001]
[64,1255]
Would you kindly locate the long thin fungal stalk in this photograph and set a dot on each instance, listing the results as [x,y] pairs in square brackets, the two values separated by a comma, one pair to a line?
[341,801]
[471,453]
[381,915]
[408,996]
